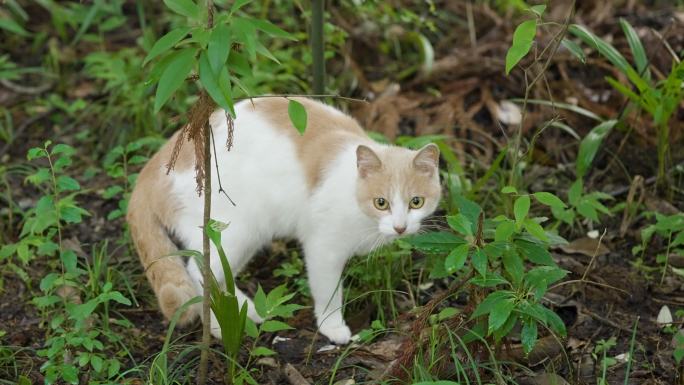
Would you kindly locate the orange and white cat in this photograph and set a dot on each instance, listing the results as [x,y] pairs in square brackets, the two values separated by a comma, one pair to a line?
[334,189]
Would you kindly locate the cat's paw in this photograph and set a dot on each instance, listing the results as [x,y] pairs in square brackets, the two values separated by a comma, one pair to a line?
[337,334]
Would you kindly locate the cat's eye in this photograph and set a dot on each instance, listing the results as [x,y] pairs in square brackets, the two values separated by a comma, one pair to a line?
[381,203]
[416,202]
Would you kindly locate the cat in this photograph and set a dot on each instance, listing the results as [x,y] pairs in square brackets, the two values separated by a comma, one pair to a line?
[333,188]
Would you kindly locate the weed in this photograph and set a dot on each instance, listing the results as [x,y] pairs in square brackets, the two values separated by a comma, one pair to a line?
[659,99]
[75,339]
[495,253]
[670,228]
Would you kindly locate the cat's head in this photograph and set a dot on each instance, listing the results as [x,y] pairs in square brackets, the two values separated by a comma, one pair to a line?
[398,187]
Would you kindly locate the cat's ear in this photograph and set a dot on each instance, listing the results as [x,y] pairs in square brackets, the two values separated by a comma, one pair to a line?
[427,158]
[367,161]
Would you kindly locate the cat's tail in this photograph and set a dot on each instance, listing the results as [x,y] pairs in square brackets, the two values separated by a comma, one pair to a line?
[150,211]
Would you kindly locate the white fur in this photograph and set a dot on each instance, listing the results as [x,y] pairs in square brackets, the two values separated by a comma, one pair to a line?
[263,176]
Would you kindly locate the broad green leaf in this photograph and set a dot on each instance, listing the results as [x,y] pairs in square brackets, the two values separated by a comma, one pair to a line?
[500,313]
[538,9]
[523,37]
[504,230]
[480,260]
[493,300]
[575,192]
[174,76]
[554,321]
[456,259]
[470,209]
[186,8]
[535,253]
[244,29]
[528,336]
[590,145]
[535,229]
[548,199]
[513,265]
[166,42]
[67,183]
[221,95]
[274,326]
[520,208]
[460,224]
[261,351]
[509,190]
[575,49]
[298,115]
[437,242]
[218,48]
[587,210]
[96,361]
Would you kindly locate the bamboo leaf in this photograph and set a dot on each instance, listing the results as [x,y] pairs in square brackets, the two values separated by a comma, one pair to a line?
[298,115]
[174,76]
[523,37]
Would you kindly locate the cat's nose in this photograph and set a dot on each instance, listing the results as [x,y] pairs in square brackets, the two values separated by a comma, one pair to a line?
[400,229]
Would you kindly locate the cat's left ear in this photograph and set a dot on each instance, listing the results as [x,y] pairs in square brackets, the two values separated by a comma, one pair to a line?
[427,159]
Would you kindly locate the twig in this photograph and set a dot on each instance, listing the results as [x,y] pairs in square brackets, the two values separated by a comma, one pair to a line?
[28,90]
[206,269]
[593,258]
[218,174]
[334,96]
[605,320]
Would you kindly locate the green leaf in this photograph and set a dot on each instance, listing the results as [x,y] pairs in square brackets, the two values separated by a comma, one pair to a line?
[218,48]
[271,326]
[509,190]
[548,199]
[166,42]
[520,208]
[12,26]
[66,183]
[493,300]
[638,52]
[575,49]
[513,265]
[186,8]
[239,4]
[220,93]
[96,361]
[245,30]
[528,336]
[523,37]
[535,253]
[554,321]
[590,145]
[456,259]
[504,230]
[500,313]
[479,259]
[174,76]
[535,229]
[461,224]
[437,242]
[575,192]
[538,9]
[298,115]
[261,351]
[272,29]
[470,209]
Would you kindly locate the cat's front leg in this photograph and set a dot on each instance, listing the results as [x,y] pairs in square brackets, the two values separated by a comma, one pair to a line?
[324,269]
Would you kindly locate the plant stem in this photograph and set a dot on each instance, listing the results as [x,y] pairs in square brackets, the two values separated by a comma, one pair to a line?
[206,265]
[317,47]
[206,268]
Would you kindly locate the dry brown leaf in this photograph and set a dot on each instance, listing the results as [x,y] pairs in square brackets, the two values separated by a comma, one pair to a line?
[586,246]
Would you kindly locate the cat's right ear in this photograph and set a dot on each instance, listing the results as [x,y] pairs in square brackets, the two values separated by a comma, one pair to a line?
[367,161]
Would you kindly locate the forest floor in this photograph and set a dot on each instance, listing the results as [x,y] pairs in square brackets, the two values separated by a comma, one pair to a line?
[608,295]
